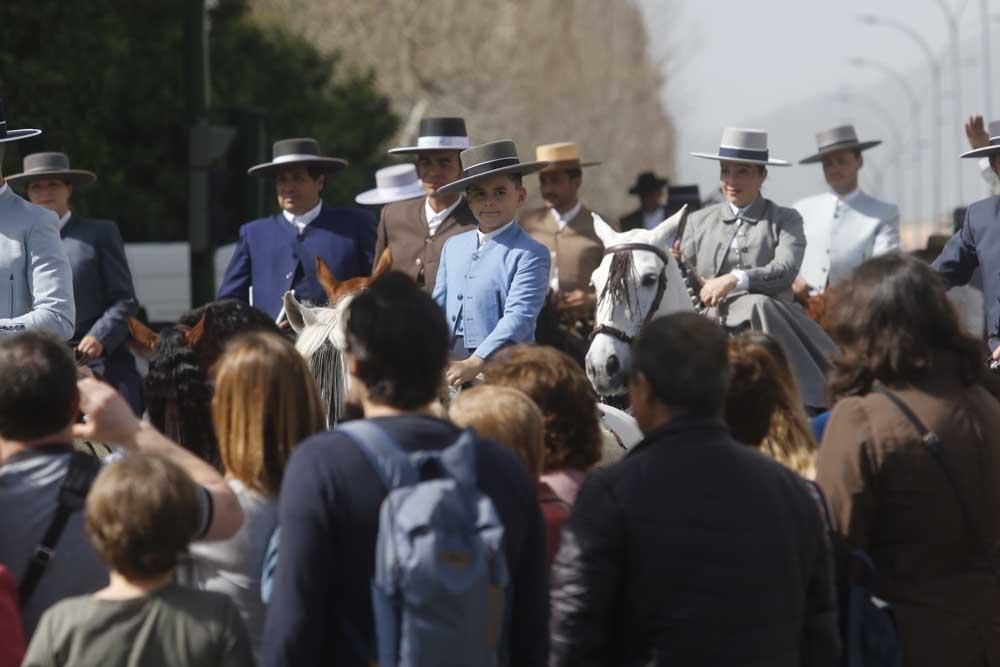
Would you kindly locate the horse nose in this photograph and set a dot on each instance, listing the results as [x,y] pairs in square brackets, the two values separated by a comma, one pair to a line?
[612,366]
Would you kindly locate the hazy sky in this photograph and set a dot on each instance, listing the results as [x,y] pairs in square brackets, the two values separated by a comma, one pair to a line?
[774,65]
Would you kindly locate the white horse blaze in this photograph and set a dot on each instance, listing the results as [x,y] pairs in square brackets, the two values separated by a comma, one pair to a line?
[609,359]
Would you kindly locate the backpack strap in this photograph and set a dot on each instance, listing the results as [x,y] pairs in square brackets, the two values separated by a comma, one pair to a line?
[83,468]
[459,459]
[936,448]
[391,464]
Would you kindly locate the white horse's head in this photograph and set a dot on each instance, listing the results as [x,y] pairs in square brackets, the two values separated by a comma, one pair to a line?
[638,280]
[322,333]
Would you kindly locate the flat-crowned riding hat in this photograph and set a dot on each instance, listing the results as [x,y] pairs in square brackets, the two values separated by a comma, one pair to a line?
[396,183]
[647,181]
[992,147]
[562,156]
[438,134]
[302,151]
[50,165]
[492,159]
[840,138]
[12,135]
[741,145]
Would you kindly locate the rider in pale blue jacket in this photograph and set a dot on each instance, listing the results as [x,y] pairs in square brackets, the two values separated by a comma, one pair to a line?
[492,281]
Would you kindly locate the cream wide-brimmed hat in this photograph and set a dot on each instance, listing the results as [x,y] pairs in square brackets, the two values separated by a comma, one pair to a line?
[561,156]
[836,139]
[396,183]
[50,165]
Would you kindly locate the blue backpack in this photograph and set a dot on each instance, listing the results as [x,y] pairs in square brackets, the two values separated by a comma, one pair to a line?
[441,580]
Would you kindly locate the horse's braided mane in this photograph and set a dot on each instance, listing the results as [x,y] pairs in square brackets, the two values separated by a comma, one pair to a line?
[619,284]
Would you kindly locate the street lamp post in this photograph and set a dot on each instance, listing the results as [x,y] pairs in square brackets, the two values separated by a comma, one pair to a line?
[936,121]
[915,120]
[952,18]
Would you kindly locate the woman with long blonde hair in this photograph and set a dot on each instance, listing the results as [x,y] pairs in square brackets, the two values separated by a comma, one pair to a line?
[763,407]
[265,403]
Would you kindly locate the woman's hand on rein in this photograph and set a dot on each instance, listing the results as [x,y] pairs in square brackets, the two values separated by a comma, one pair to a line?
[714,290]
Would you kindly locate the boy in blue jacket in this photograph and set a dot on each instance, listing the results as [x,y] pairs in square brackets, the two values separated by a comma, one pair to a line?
[491,282]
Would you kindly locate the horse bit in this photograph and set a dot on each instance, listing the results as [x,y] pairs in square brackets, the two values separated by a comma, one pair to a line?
[661,288]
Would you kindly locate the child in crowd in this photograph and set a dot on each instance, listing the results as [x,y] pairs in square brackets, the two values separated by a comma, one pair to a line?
[492,281]
[511,418]
[142,511]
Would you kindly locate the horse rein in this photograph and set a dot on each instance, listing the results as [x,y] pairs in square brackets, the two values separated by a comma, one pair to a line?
[661,288]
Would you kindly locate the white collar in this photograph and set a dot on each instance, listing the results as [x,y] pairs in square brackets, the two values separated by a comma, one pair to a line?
[439,216]
[564,218]
[64,218]
[849,197]
[4,188]
[484,238]
[306,217]
[734,208]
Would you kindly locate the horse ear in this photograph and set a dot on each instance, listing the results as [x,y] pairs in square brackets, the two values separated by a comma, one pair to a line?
[669,228]
[193,335]
[604,231]
[326,279]
[142,334]
[383,265]
[298,315]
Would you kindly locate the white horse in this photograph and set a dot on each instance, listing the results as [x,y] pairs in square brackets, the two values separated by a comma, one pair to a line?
[322,336]
[638,280]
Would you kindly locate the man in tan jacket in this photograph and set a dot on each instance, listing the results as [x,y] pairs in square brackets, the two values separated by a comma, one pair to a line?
[566,227]
[417,229]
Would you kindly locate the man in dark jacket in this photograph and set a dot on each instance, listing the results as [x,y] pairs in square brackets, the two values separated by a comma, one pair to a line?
[321,606]
[694,549]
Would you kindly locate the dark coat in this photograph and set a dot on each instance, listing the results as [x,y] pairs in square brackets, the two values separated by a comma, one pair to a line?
[272,257]
[694,550]
[633,220]
[890,498]
[977,244]
[403,227]
[321,609]
[102,282]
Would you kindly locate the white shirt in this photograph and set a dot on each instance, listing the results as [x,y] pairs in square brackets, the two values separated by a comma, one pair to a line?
[488,236]
[651,220]
[64,218]
[562,219]
[300,221]
[434,220]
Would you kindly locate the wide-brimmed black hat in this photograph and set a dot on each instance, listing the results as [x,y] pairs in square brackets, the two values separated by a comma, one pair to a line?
[647,181]
[438,134]
[835,139]
[492,159]
[302,151]
[12,135]
[50,165]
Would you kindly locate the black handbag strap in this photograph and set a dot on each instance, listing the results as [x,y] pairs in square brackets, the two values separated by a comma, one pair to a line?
[936,448]
[83,468]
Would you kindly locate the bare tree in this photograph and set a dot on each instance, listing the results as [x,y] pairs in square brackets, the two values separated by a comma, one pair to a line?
[536,72]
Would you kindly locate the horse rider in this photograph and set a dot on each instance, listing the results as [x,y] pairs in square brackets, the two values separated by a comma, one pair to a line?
[32,259]
[278,253]
[102,281]
[748,251]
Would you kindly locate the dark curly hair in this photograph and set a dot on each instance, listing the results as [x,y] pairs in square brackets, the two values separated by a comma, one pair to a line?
[567,400]
[894,324]
[177,391]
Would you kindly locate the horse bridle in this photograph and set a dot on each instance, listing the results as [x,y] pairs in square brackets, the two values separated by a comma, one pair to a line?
[661,288]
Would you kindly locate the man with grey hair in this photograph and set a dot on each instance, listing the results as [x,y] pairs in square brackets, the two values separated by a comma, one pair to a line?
[36,282]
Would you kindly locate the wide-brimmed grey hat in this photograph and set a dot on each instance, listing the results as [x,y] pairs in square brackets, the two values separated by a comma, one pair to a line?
[396,183]
[742,145]
[438,134]
[492,159]
[50,165]
[12,135]
[302,151]
[992,147]
[840,138]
